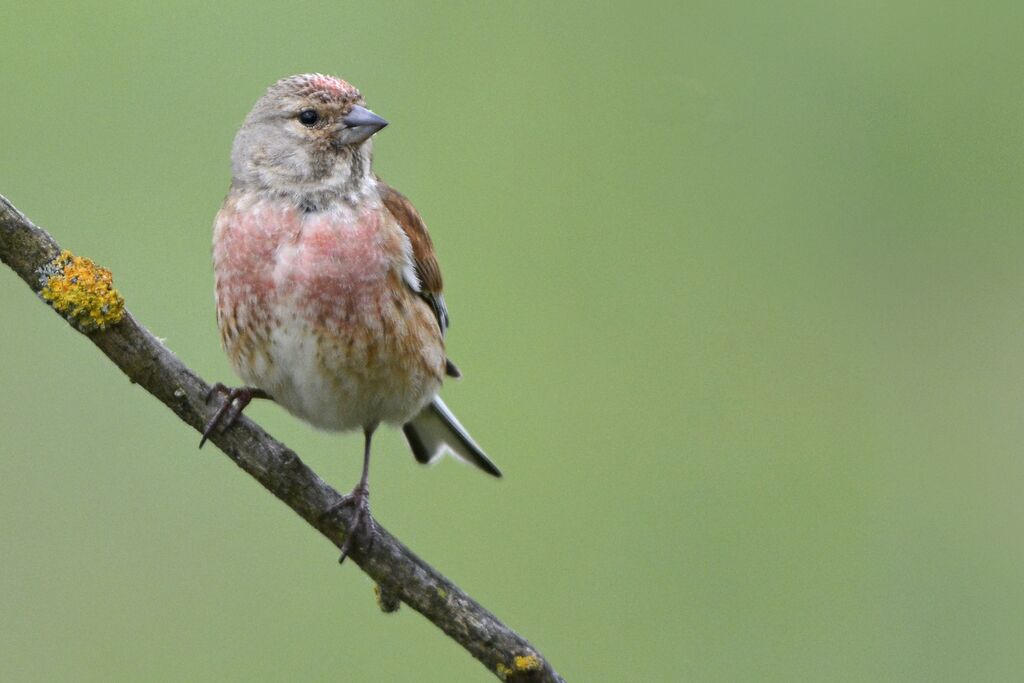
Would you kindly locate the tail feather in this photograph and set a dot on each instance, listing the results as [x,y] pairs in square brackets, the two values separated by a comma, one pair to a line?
[436,431]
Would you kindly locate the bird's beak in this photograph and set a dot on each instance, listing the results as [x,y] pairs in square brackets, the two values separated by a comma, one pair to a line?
[359,125]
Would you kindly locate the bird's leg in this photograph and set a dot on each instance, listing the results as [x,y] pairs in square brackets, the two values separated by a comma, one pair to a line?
[360,498]
[235,401]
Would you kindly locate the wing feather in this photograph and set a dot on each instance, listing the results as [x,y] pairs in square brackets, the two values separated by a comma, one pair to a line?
[428,272]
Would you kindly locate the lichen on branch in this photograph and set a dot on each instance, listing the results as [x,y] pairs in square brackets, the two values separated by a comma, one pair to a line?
[81,291]
[522,664]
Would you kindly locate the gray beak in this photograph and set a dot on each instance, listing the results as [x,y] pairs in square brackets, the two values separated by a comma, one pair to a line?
[360,124]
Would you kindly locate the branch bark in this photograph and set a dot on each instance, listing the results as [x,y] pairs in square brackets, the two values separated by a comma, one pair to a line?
[398,572]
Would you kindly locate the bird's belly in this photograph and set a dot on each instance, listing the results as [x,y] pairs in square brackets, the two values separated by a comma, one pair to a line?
[379,358]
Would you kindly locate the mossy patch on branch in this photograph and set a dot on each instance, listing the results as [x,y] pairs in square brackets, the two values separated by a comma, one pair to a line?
[81,291]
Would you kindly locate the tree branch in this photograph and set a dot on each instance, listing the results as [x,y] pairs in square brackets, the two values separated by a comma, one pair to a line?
[35,256]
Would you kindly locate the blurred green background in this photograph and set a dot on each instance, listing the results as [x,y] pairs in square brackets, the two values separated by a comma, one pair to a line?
[737,295]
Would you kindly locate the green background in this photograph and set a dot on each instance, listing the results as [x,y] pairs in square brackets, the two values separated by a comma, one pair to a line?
[737,295]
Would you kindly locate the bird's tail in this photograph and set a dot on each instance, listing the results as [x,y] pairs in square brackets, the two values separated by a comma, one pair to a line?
[435,430]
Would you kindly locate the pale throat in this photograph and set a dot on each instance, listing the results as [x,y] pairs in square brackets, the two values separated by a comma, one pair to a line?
[343,178]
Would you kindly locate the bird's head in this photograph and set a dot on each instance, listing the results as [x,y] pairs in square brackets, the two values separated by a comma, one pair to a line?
[308,137]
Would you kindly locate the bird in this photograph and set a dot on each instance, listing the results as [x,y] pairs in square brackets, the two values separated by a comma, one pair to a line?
[328,291]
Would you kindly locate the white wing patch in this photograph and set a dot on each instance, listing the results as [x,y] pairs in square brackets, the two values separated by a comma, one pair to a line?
[409,265]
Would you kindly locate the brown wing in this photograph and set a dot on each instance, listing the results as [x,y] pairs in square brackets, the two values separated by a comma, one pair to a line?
[425,263]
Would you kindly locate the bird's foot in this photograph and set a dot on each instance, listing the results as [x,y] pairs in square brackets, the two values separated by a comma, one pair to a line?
[235,401]
[362,522]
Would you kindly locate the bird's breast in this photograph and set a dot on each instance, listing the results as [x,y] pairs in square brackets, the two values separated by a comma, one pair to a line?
[334,268]
[327,266]
[314,310]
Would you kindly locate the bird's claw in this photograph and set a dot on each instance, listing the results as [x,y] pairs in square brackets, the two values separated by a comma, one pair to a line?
[235,401]
[217,388]
[362,522]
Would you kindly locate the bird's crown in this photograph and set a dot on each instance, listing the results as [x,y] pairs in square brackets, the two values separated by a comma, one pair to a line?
[316,87]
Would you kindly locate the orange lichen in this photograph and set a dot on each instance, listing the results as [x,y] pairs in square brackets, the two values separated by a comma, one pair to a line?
[520,664]
[81,291]
[527,663]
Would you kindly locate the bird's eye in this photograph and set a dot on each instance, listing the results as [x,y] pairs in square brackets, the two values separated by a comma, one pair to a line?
[308,117]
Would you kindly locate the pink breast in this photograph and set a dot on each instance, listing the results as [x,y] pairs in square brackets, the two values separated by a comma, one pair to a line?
[245,245]
[329,270]
[333,258]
